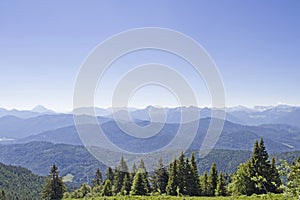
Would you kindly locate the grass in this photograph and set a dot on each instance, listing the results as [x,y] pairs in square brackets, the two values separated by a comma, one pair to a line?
[253,197]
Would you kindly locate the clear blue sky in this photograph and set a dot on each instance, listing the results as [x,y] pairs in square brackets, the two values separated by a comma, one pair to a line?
[255,44]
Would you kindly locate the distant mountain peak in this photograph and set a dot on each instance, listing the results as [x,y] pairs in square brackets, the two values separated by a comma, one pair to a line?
[41,109]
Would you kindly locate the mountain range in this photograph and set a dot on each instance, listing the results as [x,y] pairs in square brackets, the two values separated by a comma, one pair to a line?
[38,138]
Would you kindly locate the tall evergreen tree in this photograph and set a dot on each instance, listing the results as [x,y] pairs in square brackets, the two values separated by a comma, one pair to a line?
[213,179]
[194,181]
[54,187]
[144,172]
[204,184]
[119,175]
[107,188]
[172,185]
[259,168]
[160,179]
[126,187]
[221,186]
[274,179]
[258,176]
[139,185]
[97,179]
[109,175]
[182,174]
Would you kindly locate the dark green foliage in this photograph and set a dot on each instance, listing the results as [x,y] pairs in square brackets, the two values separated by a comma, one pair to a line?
[193,178]
[212,180]
[38,156]
[221,186]
[184,177]
[97,179]
[119,176]
[172,185]
[258,176]
[18,182]
[274,178]
[126,187]
[182,174]
[160,178]
[54,187]
[139,185]
[109,174]
[107,188]
[143,169]
[204,184]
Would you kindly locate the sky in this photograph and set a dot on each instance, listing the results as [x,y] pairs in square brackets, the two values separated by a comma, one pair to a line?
[254,44]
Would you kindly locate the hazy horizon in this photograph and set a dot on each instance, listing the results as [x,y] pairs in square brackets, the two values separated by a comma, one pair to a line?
[254,44]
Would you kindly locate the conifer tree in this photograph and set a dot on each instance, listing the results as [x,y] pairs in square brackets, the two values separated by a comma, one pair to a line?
[119,175]
[172,185]
[160,179]
[54,187]
[144,172]
[274,178]
[204,184]
[221,186]
[107,188]
[194,181]
[259,168]
[126,187]
[213,179]
[97,179]
[139,186]
[182,174]
[109,175]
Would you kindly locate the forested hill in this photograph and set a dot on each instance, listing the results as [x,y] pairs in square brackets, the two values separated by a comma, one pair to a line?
[20,183]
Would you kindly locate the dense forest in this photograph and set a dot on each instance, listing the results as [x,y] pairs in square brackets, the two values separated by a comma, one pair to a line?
[19,183]
[258,175]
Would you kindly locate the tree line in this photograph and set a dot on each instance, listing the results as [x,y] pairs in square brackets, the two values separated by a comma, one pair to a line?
[258,175]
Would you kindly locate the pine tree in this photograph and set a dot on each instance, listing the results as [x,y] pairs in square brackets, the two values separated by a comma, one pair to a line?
[221,186]
[54,187]
[258,176]
[182,174]
[160,179]
[172,185]
[119,175]
[213,179]
[204,184]
[109,175]
[143,169]
[107,188]
[259,168]
[139,185]
[97,179]
[274,178]
[195,189]
[126,187]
